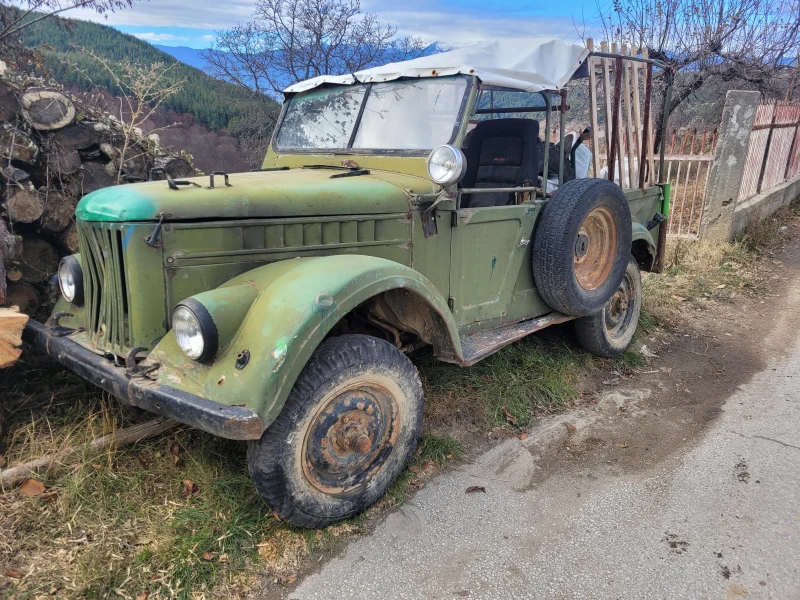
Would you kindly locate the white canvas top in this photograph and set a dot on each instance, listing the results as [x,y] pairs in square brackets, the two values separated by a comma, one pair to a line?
[530,65]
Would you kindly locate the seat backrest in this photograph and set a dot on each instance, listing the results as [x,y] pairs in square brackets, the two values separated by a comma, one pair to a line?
[501,153]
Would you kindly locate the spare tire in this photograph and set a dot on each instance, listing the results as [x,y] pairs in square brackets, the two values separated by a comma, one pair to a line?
[581,246]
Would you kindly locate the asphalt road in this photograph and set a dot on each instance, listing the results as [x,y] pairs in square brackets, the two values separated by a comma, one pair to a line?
[719,518]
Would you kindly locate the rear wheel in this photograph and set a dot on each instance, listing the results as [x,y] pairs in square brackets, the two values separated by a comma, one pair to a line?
[349,426]
[610,332]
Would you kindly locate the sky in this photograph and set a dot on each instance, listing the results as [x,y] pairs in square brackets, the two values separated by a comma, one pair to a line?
[450,22]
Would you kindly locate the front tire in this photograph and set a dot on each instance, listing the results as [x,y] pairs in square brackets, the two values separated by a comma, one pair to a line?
[349,426]
[610,332]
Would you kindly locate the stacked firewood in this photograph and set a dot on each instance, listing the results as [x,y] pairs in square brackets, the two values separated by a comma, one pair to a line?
[54,149]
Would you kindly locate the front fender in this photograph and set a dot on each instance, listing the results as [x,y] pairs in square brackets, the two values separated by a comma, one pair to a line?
[297,303]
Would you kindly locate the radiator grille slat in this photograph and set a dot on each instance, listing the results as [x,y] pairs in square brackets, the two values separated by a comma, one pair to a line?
[105,288]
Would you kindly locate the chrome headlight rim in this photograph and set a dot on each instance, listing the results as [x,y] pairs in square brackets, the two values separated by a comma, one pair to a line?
[208,330]
[459,165]
[69,265]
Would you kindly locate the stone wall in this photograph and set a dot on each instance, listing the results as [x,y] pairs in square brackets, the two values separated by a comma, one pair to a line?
[763,205]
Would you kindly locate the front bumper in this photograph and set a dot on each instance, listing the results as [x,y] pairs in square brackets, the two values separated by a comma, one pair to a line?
[232,422]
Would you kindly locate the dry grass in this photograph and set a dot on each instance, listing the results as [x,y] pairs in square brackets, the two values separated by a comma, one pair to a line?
[700,274]
[124,522]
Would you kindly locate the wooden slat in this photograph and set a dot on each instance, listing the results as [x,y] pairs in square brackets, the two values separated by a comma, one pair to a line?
[651,178]
[615,156]
[607,96]
[629,122]
[637,113]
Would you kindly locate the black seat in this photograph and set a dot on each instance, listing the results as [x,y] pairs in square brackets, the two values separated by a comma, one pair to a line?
[501,153]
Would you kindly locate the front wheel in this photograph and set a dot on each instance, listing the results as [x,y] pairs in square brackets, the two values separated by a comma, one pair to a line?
[349,426]
[610,332]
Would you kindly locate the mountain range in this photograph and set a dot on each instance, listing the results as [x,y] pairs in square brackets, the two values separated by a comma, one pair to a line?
[190,56]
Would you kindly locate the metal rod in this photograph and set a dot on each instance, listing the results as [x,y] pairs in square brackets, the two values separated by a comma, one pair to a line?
[649,61]
[500,190]
[563,112]
[664,124]
[548,102]
[517,109]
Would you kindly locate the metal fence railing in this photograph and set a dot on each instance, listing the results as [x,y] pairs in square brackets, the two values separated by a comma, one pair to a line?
[773,152]
[688,160]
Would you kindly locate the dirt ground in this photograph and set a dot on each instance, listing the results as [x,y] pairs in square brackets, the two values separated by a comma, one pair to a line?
[127,521]
[633,420]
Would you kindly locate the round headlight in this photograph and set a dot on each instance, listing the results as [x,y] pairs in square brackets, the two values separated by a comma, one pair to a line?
[195,332]
[70,280]
[446,165]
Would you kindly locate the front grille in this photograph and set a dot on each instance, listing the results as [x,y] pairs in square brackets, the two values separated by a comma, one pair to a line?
[104,285]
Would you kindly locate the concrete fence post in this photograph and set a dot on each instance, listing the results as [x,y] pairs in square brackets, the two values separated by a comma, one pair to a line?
[728,167]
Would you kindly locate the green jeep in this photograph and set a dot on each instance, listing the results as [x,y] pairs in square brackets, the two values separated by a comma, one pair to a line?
[396,208]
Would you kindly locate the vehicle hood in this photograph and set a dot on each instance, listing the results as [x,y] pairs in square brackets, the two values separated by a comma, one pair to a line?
[287,193]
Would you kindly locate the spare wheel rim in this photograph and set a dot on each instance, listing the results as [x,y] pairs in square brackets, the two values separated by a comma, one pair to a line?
[595,248]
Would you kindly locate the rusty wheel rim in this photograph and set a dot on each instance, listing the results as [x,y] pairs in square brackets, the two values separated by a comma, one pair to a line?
[350,437]
[620,309]
[595,248]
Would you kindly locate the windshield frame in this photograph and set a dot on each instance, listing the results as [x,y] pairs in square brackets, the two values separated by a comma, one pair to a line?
[457,126]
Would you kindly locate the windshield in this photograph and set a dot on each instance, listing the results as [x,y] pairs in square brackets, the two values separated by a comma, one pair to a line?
[416,114]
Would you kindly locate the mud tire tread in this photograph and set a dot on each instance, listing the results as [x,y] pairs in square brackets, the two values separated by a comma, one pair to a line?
[592,333]
[268,459]
[554,243]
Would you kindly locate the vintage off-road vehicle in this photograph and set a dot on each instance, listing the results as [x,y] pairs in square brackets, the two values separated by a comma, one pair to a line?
[398,207]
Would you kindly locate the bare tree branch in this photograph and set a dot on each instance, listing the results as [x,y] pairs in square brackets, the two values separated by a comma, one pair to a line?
[291,40]
[755,42]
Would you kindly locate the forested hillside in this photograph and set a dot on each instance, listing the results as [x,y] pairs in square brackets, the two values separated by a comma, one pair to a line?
[212,102]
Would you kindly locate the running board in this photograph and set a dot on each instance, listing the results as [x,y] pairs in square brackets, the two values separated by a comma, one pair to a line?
[478,346]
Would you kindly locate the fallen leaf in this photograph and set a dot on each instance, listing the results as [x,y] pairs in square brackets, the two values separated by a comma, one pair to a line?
[509,417]
[223,558]
[720,286]
[647,353]
[139,541]
[678,298]
[49,496]
[143,460]
[522,436]
[143,596]
[207,556]
[190,487]
[621,445]
[31,487]
[288,580]
[9,572]
[571,427]
[174,451]
[475,488]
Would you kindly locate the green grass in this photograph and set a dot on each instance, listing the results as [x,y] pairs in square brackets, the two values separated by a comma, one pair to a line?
[535,376]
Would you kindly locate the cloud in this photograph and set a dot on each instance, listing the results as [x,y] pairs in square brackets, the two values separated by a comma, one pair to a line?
[195,14]
[208,38]
[159,37]
[459,29]
[451,22]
